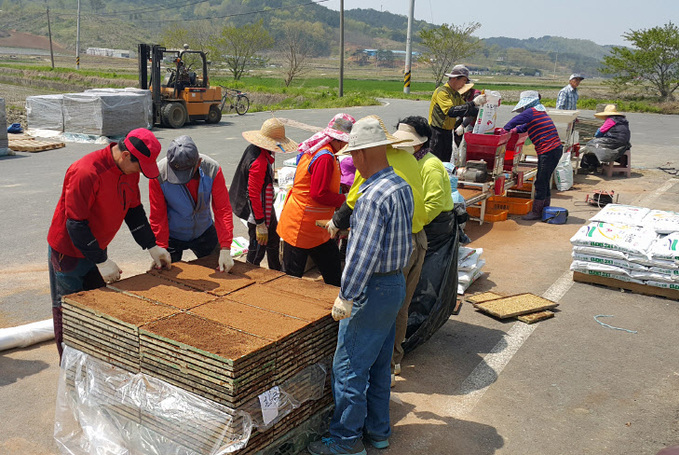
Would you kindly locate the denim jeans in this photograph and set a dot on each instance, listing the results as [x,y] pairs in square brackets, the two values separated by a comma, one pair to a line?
[361,366]
[205,244]
[68,275]
[547,162]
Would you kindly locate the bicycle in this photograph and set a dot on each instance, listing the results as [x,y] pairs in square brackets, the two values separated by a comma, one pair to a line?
[234,99]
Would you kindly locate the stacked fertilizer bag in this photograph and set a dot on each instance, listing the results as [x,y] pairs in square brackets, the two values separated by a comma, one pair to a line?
[631,244]
[469,267]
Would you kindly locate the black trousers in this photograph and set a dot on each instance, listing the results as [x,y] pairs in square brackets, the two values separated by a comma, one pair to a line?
[547,162]
[205,244]
[326,256]
[272,248]
[441,143]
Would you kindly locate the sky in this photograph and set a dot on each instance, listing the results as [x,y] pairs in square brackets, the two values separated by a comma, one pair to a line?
[595,20]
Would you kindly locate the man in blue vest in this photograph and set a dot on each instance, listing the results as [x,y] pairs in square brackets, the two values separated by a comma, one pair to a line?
[188,184]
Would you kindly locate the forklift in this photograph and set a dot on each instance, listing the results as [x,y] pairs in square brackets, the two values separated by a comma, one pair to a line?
[183,95]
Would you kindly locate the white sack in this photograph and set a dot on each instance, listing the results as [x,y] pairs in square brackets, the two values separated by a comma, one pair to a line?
[662,221]
[621,214]
[485,121]
[618,237]
[563,174]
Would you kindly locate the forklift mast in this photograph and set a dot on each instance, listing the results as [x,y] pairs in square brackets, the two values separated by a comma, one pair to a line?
[154,53]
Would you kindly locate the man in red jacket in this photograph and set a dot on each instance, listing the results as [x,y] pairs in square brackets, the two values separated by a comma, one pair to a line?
[100,191]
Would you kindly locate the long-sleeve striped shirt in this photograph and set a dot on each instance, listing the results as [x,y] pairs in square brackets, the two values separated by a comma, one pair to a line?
[381,231]
[540,127]
[567,98]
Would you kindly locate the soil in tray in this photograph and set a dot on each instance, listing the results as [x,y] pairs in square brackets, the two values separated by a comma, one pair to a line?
[256,321]
[316,289]
[131,310]
[204,278]
[255,273]
[207,335]
[296,306]
[159,289]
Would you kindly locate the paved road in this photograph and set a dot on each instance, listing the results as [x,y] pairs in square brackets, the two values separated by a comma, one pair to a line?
[479,386]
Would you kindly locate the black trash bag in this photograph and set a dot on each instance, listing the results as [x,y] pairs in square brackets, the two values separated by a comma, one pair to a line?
[436,293]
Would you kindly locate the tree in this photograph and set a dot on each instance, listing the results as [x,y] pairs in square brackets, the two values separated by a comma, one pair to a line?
[237,46]
[385,57]
[447,45]
[296,50]
[653,59]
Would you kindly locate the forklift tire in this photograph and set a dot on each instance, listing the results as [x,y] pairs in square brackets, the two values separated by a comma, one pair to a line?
[214,115]
[174,115]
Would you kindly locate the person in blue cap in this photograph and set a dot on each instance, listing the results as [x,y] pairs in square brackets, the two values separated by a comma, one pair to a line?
[533,119]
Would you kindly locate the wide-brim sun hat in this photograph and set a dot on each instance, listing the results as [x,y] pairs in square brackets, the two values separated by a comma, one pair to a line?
[182,157]
[608,111]
[410,137]
[367,133]
[458,71]
[527,98]
[339,127]
[271,136]
[465,88]
[144,145]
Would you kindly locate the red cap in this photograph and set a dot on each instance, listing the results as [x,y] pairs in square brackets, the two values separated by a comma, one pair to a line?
[145,147]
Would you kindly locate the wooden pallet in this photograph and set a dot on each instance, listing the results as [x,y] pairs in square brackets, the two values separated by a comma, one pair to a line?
[644,289]
[31,145]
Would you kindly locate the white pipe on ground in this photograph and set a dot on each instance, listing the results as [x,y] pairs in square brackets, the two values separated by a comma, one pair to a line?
[26,335]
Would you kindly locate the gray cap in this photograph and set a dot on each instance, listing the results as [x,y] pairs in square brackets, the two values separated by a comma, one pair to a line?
[576,76]
[458,71]
[182,157]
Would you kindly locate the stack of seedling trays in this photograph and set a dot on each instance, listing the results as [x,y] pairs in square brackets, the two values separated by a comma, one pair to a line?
[225,337]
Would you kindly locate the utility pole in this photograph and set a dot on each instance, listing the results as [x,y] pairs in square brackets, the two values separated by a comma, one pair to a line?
[49,31]
[341,75]
[409,49]
[555,60]
[77,39]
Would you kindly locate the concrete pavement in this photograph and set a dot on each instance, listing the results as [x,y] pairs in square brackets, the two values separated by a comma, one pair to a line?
[479,386]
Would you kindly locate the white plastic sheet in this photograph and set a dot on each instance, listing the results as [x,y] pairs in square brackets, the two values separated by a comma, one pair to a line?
[26,335]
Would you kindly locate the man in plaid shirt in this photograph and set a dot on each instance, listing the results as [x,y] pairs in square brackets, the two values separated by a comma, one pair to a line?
[372,292]
[568,96]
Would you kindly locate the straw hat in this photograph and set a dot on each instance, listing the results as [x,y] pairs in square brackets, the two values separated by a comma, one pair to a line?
[609,110]
[409,136]
[368,132]
[465,88]
[271,136]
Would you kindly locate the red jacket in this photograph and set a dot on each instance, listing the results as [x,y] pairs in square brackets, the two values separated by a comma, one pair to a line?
[94,190]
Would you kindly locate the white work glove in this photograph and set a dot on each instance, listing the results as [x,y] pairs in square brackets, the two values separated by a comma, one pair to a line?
[479,100]
[262,233]
[225,260]
[459,130]
[341,309]
[109,271]
[161,258]
[332,229]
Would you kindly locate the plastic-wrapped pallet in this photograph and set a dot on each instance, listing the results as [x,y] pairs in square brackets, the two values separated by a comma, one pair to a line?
[145,93]
[4,144]
[44,112]
[469,267]
[104,113]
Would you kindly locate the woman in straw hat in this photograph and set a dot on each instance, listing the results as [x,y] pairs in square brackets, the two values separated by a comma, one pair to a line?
[610,142]
[543,134]
[252,192]
[314,196]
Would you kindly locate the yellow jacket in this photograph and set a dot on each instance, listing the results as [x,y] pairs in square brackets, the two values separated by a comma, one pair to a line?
[442,100]
[405,165]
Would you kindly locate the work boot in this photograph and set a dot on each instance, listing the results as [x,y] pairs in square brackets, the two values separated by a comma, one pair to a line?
[548,202]
[536,213]
[331,446]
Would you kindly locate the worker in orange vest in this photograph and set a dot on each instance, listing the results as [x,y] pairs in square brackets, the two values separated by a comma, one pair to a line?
[314,196]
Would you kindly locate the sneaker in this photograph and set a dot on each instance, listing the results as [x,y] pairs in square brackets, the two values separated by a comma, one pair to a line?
[331,446]
[393,379]
[397,369]
[375,442]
